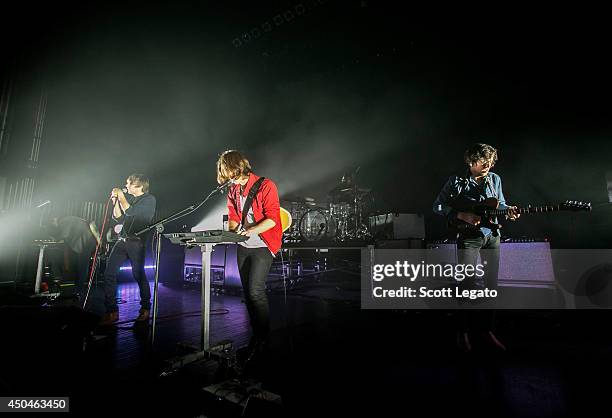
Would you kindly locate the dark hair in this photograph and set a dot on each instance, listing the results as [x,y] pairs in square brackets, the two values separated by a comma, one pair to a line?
[140,180]
[479,151]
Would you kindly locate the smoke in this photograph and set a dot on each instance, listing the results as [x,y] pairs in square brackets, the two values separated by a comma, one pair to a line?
[316,132]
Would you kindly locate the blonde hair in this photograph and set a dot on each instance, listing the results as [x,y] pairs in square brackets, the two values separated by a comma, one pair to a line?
[232,164]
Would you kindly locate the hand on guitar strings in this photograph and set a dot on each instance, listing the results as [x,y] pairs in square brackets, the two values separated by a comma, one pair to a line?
[513,213]
[245,232]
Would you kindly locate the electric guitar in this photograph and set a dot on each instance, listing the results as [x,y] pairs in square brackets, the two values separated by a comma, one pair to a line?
[488,211]
[286,219]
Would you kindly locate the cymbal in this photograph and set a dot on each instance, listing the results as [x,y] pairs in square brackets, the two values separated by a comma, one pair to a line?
[304,200]
[350,190]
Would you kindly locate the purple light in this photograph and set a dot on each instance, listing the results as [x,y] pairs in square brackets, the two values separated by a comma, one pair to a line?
[130,267]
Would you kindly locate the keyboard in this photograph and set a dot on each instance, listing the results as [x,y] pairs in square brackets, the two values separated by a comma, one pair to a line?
[212,236]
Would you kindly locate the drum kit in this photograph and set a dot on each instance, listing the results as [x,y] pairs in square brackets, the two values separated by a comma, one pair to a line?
[341,220]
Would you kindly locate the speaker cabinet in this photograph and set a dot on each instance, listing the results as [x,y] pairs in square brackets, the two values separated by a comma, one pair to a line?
[521,264]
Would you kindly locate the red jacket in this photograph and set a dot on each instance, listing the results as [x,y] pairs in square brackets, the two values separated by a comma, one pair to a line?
[265,205]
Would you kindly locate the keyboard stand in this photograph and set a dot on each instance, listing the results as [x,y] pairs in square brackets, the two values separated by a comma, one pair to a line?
[42,244]
[205,317]
[39,269]
[205,350]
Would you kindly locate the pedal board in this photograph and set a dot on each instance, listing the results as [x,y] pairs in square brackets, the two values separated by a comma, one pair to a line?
[242,392]
[221,352]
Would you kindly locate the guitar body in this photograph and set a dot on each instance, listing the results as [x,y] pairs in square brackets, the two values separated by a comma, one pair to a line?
[457,226]
[286,219]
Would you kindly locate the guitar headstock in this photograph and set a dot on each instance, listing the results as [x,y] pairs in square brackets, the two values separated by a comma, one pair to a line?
[576,206]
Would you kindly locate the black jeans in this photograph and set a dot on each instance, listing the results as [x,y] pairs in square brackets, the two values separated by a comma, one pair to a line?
[254,265]
[134,250]
[469,248]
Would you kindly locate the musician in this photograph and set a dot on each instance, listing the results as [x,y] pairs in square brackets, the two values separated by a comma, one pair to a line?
[132,213]
[262,224]
[81,238]
[477,184]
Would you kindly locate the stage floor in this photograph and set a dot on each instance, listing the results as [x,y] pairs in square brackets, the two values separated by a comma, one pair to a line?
[326,356]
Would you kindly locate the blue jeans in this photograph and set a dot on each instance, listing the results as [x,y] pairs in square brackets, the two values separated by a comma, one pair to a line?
[254,265]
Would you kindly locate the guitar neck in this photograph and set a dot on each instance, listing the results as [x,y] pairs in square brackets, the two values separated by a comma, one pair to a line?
[529,209]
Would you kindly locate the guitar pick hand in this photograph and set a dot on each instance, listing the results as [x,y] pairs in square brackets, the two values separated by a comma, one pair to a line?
[469,218]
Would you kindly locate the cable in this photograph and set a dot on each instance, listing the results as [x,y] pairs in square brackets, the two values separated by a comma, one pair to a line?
[179,316]
[95,258]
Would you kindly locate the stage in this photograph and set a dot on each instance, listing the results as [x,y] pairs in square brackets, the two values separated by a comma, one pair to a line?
[422,197]
[326,356]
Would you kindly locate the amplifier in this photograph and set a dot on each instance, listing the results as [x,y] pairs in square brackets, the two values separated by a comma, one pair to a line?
[526,263]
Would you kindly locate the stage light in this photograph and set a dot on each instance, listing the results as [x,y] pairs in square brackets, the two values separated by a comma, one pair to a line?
[130,267]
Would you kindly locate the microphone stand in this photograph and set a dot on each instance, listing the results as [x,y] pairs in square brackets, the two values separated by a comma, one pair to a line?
[159,229]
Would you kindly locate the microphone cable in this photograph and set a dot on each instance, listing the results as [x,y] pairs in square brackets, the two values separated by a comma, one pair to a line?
[95,258]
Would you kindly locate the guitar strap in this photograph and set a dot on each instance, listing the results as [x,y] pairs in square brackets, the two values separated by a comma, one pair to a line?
[463,182]
[488,183]
[249,200]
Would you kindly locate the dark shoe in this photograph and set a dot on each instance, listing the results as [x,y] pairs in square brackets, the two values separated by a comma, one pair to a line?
[109,319]
[144,315]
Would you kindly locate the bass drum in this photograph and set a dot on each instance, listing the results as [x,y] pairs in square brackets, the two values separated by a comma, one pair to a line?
[317,225]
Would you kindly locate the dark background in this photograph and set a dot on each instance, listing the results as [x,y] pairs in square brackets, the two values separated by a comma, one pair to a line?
[310,90]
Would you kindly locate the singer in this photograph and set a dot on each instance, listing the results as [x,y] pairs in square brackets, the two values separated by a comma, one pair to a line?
[476,185]
[254,211]
[132,213]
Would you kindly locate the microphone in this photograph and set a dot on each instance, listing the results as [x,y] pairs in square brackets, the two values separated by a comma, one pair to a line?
[123,189]
[224,185]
